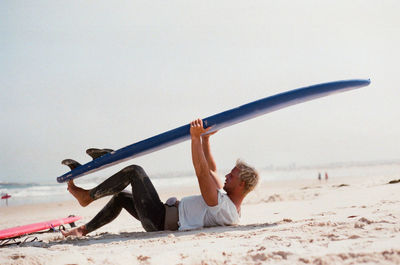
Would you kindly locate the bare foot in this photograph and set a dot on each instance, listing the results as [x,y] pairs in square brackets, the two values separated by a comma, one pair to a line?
[80,194]
[78,232]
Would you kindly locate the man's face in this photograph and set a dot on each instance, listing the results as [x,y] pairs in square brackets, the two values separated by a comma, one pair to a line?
[232,180]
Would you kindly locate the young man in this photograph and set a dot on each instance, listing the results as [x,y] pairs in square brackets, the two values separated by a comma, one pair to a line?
[212,208]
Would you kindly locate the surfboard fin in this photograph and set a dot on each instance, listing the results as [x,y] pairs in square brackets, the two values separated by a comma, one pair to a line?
[72,164]
[96,153]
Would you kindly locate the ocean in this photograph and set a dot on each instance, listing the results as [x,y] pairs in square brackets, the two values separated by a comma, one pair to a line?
[30,193]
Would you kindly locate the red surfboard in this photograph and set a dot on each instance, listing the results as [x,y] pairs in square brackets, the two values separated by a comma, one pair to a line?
[6,196]
[31,228]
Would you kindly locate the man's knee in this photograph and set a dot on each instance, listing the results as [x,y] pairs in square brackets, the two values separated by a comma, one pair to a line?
[135,171]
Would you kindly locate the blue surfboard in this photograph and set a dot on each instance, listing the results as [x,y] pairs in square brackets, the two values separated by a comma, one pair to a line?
[218,121]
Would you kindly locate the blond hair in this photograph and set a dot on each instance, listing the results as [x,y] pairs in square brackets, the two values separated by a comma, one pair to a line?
[248,175]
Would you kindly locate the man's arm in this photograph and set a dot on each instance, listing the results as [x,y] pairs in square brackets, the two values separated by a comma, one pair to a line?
[210,159]
[208,187]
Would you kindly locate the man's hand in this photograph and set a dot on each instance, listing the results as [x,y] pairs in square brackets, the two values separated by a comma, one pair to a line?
[197,129]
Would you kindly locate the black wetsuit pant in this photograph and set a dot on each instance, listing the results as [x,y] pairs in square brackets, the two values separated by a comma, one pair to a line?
[143,203]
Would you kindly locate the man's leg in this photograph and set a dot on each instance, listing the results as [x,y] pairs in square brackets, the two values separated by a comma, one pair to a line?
[109,212]
[150,209]
[147,206]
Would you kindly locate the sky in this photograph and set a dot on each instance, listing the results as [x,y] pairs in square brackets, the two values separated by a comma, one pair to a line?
[81,74]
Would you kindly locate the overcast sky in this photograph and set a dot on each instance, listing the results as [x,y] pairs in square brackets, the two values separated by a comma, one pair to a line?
[80,74]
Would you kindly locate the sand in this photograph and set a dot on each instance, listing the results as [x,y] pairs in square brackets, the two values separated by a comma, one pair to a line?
[287,222]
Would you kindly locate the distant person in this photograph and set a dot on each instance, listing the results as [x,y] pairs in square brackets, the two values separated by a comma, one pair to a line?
[319,176]
[212,208]
[326,176]
[5,196]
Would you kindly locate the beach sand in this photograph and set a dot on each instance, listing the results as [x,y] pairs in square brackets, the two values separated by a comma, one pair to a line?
[342,221]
